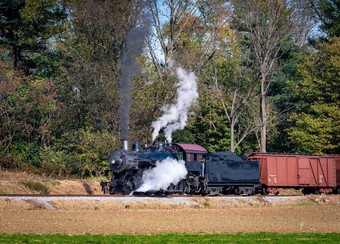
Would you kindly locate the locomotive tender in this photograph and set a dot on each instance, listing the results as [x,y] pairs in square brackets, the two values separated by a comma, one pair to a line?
[208,173]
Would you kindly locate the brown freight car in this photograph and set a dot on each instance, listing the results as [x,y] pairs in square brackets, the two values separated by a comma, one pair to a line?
[312,173]
[337,160]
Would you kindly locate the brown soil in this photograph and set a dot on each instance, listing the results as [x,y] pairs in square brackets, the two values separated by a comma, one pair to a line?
[148,221]
[313,214]
[14,183]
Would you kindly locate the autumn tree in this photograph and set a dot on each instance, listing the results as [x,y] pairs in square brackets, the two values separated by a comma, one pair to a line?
[268,23]
[210,126]
[185,32]
[166,33]
[30,115]
[95,36]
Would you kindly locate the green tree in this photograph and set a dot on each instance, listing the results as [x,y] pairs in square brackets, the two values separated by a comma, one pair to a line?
[230,83]
[280,97]
[26,28]
[316,122]
[327,11]
[211,126]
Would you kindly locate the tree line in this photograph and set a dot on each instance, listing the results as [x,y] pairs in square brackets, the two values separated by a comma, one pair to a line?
[268,77]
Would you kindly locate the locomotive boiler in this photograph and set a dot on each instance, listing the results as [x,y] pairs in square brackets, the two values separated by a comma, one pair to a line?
[128,166]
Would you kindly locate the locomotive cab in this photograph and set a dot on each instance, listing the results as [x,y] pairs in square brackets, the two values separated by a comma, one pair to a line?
[193,155]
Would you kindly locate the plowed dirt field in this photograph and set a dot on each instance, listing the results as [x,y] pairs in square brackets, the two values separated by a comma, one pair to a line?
[311,214]
[80,217]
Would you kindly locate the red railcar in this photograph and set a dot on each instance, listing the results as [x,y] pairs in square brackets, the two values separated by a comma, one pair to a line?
[312,173]
[337,160]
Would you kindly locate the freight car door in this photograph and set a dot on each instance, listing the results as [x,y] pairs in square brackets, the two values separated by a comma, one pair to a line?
[317,175]
[303,171]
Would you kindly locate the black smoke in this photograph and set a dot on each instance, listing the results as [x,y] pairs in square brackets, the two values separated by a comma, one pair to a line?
[132,47]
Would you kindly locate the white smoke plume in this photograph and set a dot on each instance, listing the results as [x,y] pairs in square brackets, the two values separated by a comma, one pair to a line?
[169,171]
[176,115]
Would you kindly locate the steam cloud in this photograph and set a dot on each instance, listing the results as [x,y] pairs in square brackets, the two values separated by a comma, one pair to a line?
[132,48]
[176,115]
[169,171]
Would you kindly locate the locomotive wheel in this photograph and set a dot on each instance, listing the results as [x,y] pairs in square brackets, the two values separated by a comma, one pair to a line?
[112,190]
[184,188]
[187,189]
[126,190]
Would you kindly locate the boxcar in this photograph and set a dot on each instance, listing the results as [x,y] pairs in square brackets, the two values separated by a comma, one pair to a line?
[337,160]
[312,173]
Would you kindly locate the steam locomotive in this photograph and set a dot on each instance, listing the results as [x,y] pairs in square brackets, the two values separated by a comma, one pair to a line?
[208,173]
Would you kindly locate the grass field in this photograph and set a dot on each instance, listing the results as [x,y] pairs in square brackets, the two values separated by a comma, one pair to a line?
[175,238]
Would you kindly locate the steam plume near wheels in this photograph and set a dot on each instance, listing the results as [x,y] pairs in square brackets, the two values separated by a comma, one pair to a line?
[169,171]
[175,116]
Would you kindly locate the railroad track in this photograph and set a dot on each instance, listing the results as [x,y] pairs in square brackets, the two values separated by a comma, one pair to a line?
[143,196]
[48,200]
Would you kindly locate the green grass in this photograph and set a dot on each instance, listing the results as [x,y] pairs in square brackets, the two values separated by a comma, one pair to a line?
[52,182]
[206,204]
[175,238]
[36,186]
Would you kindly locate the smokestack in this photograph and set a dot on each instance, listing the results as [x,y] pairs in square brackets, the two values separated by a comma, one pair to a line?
[125,144]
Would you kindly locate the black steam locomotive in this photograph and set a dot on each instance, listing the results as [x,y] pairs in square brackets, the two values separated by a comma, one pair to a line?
[208,173]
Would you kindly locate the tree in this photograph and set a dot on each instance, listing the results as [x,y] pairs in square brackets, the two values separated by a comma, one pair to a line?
[26,27]
[185,32]
[96,31]
[233,86]
[280,97]
[166,33]
[316,122]
[327,11]
[210,125]
[269,23]
[30,114]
